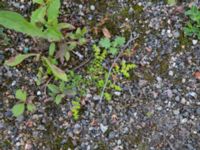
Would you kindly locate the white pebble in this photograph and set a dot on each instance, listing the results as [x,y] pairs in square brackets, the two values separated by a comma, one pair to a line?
[183,100]
[103,128]
[38,93]
[184,120]
[13,83]
[171,73]
[117,93]
[194,42]
[92,7]
[183,80]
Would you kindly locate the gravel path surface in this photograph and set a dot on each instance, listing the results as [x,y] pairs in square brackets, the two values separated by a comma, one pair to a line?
[159,108]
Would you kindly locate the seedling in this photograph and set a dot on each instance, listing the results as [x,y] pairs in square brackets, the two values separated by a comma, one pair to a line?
[18,109]
[114,46]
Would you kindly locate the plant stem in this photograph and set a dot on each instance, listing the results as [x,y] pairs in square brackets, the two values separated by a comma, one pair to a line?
[131,39]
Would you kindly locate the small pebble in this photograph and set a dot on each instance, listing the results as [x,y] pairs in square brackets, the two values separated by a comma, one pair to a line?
[194,42]
[171,73]
[198,111]
[117,93]
[183,100]
[13,83]
[184,120]
[176,112]
[103,128]
[92,7]
[39,93]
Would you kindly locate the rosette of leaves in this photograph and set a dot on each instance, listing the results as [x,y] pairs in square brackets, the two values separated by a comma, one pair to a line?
[18,109]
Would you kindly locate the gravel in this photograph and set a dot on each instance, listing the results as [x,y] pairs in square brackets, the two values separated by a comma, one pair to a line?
[158,108]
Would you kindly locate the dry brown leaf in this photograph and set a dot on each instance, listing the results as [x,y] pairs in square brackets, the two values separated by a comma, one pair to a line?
[197,75]
[106,33]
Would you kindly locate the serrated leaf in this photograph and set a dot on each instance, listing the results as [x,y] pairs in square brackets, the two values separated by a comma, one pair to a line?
[52,49]
[53,11]
[13,61]
[38,1]
[53,88]
[119,41]
[57,72]
[21,95]
[31,107]
[17,22]
[113,50]
[18,109]
[65,26]
[59,98]
[105,42]
[38,15]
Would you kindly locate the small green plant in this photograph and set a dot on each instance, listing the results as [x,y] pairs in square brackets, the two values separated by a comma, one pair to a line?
[98,73]
[76,109]
[124,69]
[72,89]
[193,26]
[114,46]
[43,24]
[57,92]
[18,109]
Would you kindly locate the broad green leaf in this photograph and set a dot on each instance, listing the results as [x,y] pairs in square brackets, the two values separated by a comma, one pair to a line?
[13,61]
[53,34]
[38,15]
[59,98]
[65,26]
[53,11]
[31,107]
[21,95]
[119,41]
[17,22]
[57,72]
[105,42]
[53,88]
[52,49]
[18,109]
[38,1]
